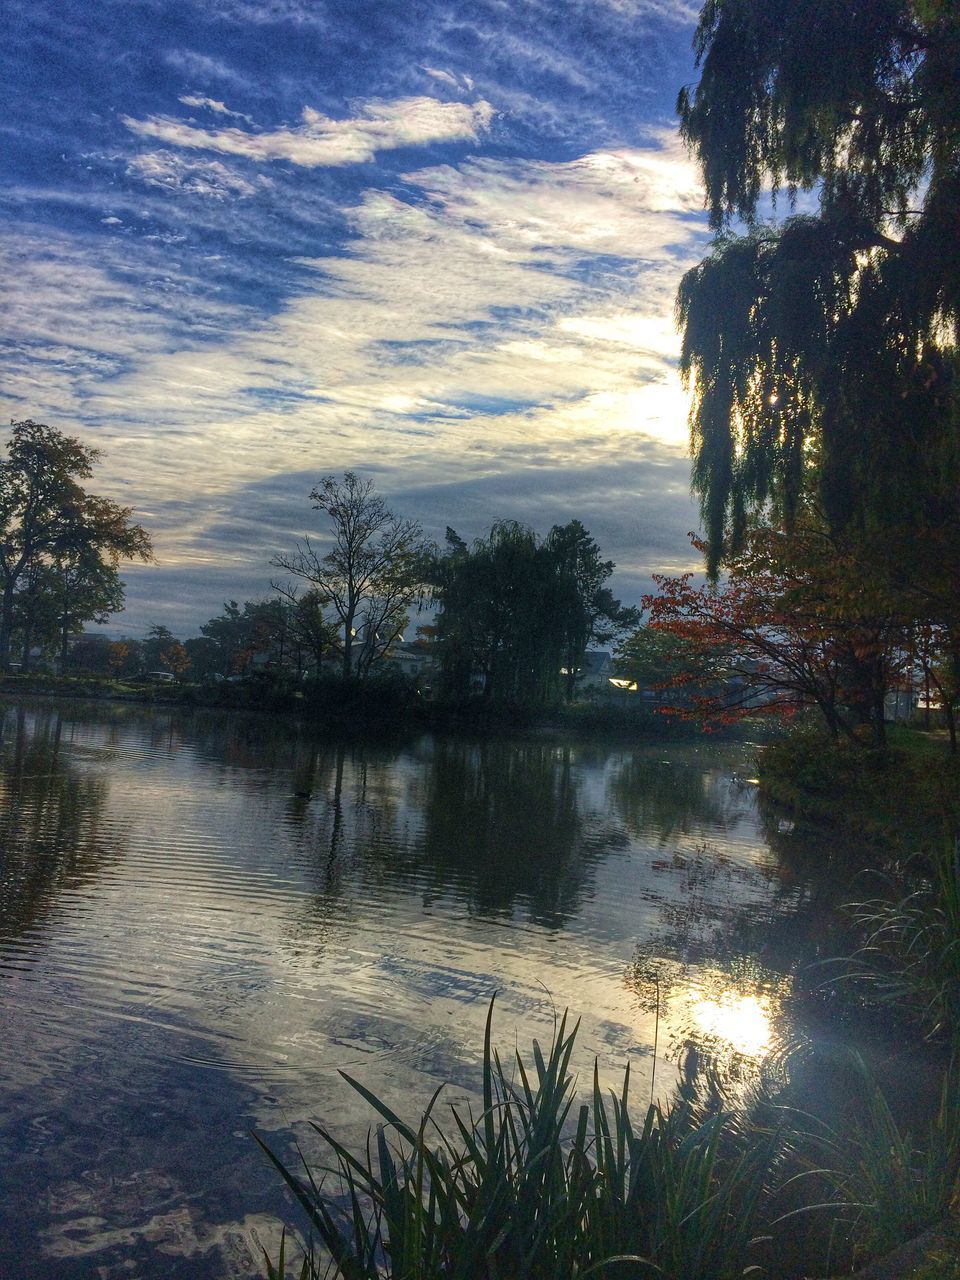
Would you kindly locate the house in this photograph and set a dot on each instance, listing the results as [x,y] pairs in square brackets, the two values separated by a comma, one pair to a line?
[595,669]
[415,661]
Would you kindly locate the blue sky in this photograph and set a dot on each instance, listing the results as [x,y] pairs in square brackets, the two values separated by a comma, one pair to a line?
[249,243]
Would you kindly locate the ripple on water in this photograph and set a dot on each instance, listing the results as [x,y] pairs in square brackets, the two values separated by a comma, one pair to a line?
[190,947]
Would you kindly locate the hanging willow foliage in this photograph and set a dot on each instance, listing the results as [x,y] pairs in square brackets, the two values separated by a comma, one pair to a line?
[828,343]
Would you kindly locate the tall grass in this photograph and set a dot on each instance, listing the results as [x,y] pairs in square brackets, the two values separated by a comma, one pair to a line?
[910,956]
[897,1185]
[537,1187]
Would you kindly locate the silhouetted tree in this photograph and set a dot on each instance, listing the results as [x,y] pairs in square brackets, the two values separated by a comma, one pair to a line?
[652,657]
[50,525]
[162,651]
[310,632]
[517,614]
[830,344]
[372,574]
[587,610]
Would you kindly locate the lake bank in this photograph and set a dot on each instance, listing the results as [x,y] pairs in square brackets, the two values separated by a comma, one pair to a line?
[906,797]
[373,704]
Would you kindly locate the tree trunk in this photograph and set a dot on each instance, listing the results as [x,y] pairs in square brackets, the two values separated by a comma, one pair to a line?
[880,703]
[64,637]
[6,625]
[951,718]
[347,669]
[571,677]
[27,646]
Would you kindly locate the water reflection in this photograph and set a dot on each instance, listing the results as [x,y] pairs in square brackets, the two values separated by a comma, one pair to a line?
[655,795]
[233,910]
[503,825]
[715,969]
[741,1020]
[52,836]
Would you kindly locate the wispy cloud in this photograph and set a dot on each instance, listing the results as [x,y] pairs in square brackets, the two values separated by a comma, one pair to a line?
[202,67]
[448,78]
[320,141]
[501,311]
[461,280]
[172,172]
[213,104]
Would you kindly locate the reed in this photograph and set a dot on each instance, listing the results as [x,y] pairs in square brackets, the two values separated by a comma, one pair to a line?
[539,1186]
[910,956]
[897,1183]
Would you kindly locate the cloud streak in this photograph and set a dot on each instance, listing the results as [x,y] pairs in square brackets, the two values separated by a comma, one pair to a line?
[319,141]
[497,317]
[171,172]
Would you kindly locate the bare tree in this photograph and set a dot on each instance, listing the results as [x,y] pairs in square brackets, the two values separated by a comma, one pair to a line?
[370,577]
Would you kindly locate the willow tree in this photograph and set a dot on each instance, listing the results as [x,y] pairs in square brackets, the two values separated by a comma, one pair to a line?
[825,346]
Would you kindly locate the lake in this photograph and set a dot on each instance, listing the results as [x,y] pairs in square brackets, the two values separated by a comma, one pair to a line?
[205,917]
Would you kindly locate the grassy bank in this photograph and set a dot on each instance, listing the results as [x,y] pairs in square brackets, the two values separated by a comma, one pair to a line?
[892,820]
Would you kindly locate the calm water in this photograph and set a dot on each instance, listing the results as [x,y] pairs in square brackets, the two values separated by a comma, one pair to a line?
[204,918]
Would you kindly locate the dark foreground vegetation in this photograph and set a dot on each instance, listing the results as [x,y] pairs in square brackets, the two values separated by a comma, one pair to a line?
[539,1184]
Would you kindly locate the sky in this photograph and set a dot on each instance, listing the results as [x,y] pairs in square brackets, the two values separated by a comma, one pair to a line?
[250,243]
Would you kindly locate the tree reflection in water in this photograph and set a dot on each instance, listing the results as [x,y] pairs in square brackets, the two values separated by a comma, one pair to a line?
[654,795]
[506,824]
[52,836]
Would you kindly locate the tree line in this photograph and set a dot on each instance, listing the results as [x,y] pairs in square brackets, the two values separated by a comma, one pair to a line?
[797,619]
[511,616]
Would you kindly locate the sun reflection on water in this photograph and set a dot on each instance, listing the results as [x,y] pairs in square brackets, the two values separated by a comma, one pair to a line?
[744,1022]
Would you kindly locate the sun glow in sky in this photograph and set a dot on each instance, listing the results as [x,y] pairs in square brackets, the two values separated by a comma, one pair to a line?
[247,243]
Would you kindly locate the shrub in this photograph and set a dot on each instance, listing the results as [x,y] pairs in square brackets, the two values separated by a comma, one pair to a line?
[897,1186]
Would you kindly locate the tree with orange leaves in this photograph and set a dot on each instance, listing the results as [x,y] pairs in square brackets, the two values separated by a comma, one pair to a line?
[795,623]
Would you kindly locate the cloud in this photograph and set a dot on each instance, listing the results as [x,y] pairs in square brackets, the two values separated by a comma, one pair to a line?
[201,66]
[503,316]
[80,313]
[320,141]
[172,172]
[601,202]
[502,306]
[443,76]
[674,11]
[214,105]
